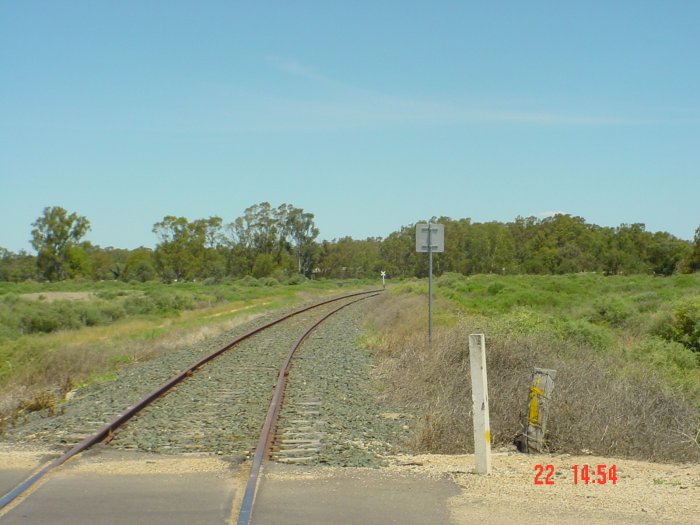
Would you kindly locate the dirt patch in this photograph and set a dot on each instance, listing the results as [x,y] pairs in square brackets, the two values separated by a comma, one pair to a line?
[23,457]
[49,297]
[644,493]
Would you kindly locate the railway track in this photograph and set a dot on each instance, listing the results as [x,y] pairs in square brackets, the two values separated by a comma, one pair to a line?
[223,390]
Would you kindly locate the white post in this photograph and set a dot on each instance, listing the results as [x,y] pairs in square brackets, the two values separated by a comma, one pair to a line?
[480,404]
[430,282]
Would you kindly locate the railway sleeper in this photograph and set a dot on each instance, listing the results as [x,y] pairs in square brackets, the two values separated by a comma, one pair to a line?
[286,447]
[296,451]
[311,441]
[297,460]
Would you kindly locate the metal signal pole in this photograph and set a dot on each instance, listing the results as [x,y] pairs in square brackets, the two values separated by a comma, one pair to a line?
[430,241]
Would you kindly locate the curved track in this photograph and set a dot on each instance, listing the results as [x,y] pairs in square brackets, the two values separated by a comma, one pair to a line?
[106,432]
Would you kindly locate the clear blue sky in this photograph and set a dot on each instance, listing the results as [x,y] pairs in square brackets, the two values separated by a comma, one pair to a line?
[371,115]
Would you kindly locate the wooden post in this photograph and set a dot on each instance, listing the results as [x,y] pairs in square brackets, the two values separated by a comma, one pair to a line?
[480,404]
[538,410]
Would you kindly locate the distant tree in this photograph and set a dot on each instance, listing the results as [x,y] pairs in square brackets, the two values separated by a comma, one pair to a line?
[55,237]
[256,232]
[101,263]
[524,231]
[139,266]
[257,229]
[302,231]
[17,267]
[175,254]
[78,263]
[210,243]
[691,263]
[286,233]
[398,254]
[104,263]
[347,257]
[188,250]
[6,257]
[666,253]
[264,265]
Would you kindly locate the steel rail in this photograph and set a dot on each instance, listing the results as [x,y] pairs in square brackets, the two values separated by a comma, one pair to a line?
[265,439]
[107,430]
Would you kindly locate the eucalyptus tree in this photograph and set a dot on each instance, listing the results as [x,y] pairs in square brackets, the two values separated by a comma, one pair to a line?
[188,249]
[17,267]
[691,263]
[299,226]
[173,256]
[56,237]
[210,245]
[347,257]
[397,254]
[280,233]
[139,266]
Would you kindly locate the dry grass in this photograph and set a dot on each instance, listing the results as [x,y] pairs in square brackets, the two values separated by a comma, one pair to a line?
[600,404]
[54,364]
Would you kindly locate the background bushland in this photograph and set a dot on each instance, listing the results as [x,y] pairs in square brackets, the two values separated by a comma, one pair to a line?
[281,242]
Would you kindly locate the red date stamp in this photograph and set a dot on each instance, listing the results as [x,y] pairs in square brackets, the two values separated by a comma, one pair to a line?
[585,474]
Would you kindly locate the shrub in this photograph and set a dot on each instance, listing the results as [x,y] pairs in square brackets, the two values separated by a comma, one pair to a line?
[450,280]
[647,302]
[495,288]
[168,301]
[46,322]
[139,304]
[685,325]
[113,312]
[296,279]
[668,354]
[584,333]
[521,321]
[89,315]
[264,265]
[610,311]
[248,280]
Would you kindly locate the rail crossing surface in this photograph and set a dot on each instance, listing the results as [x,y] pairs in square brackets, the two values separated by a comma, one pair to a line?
[118,488]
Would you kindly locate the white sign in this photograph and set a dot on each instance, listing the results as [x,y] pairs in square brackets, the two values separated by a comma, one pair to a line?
[437,237]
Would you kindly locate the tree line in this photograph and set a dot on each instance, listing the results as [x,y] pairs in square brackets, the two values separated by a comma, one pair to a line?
[281,242]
